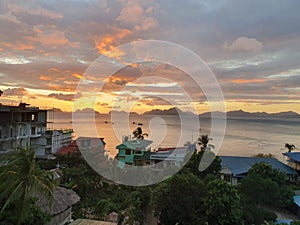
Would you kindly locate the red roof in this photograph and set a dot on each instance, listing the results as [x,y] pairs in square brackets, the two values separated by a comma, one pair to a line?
[71,148]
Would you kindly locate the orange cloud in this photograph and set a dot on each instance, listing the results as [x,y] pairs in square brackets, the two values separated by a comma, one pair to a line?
[79,76]
[107,44]
[17,46]
[245,81]
[42,77]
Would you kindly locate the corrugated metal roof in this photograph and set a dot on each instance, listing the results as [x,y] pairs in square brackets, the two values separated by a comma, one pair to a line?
[91,222]
[136,144]
[295,156]
[239,166]
[297,200]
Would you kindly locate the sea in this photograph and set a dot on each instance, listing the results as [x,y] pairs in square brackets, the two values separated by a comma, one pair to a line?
[242,136]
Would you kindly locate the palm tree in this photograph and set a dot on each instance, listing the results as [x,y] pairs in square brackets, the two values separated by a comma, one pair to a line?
[21,180]
[203,142]
[138,133]
[290,147]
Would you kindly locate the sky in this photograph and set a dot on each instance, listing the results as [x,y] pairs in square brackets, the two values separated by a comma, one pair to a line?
[252,47]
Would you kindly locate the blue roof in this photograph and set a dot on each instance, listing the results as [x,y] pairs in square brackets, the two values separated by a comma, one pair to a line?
[239,166]
[285,221]
[295,156]
[297,200]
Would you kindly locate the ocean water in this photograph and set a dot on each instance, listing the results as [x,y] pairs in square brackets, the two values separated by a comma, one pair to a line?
[243,136]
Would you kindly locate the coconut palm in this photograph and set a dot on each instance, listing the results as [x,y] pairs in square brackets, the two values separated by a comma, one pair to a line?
[138,133]
[203,142]
[21,180]
[289,147]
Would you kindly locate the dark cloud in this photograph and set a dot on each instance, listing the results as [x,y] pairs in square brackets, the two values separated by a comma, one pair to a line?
[18,92]
[64,97]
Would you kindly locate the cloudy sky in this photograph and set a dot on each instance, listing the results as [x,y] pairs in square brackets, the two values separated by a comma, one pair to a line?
[252,47]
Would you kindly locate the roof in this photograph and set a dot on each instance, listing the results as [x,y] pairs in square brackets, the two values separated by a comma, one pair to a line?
[239,166]
[91,222]
[283,221]
[63,198]
[135,144]
[94,140]
[295,156]
[297,200]
[69,149]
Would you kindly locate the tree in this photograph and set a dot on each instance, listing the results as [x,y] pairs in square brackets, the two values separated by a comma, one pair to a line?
[203,142]
[289,147]
[262,188]
[138,133]
[22,180]
[222,205]
[179,200]
[194,162]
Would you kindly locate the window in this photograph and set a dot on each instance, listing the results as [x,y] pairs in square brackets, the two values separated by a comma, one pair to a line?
[32,117]
[138,152]
[32,130]
[128,152]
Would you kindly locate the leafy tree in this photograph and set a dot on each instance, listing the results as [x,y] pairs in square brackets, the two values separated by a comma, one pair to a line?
[262,188]
[21,180]
[194,163]
[203,142]
[179,200]
[138,133]
[222,205]
[289,147]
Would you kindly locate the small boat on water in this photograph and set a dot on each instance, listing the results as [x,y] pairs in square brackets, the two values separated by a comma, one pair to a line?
[140,124]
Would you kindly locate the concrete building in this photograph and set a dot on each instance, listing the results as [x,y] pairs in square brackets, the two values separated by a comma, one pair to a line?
[22,125]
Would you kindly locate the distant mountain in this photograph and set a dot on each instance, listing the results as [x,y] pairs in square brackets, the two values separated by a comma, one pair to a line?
[57,110]
[176,111]
[241,113]
[122,112]
[87,110]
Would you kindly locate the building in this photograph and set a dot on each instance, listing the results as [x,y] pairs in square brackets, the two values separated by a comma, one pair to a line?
[60,138]
[132,149]
[165,157]
[61,209]
[23,125]
[234,168]
[82,143]
[293,159]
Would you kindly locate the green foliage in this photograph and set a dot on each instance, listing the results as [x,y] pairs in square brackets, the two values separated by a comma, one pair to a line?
[222,205]
[22,179]
[295,222]
[264,187]
[180,200]
[193,164]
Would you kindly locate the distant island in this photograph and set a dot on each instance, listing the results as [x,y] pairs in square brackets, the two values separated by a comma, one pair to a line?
[175,111]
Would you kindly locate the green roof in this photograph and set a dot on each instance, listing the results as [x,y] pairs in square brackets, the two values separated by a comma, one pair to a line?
[135,144]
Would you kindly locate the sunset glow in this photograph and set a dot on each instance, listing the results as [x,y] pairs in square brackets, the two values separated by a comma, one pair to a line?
[45,52]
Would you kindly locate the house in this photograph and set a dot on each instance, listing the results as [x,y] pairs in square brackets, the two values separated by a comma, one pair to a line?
[82,143]
[61,210]
[131,151]
[60,138]
[293,159]
[165,157]
[234,168]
